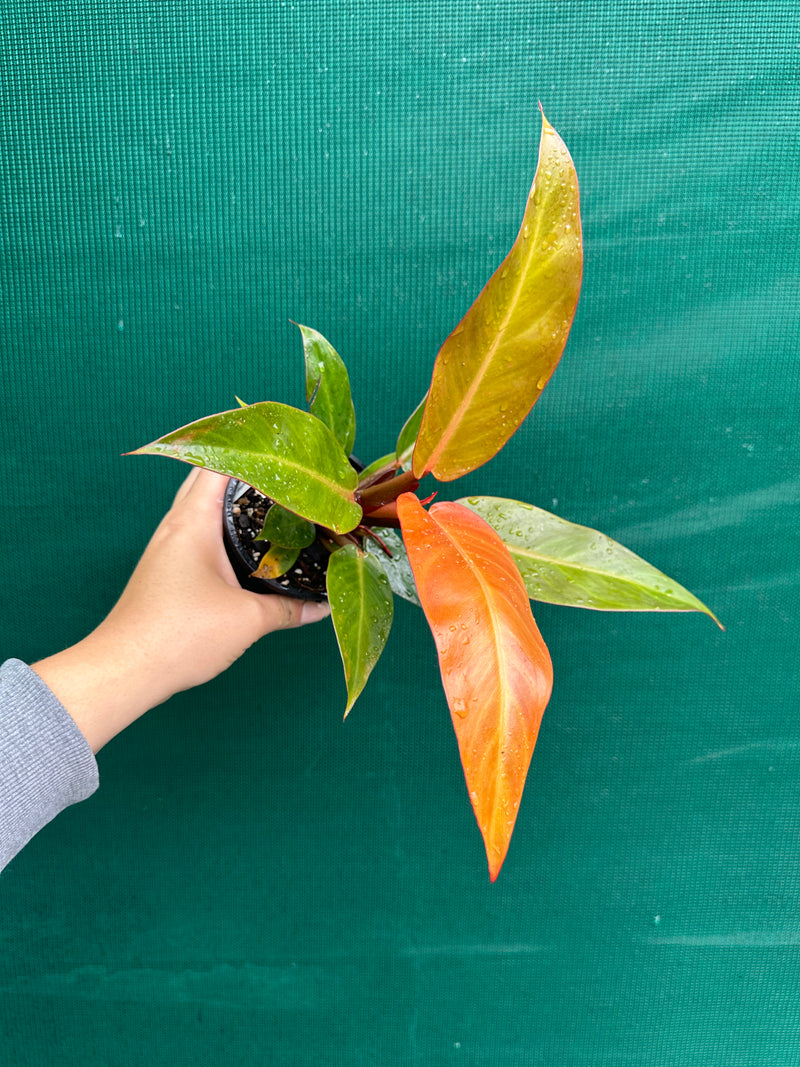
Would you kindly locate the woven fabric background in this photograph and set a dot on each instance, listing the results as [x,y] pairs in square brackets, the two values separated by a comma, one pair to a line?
[255,882]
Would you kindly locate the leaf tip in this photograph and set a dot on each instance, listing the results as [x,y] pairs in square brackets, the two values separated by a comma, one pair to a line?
[308,332]
[495,865]
[707,611]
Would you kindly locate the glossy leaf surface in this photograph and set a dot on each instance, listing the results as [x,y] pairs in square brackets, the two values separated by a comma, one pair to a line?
[495,667]
[284,528]
[328,387]
[276,561]
[397,568]
[361,610]
[285,453]
[408,435]
[563,563]
[492,368]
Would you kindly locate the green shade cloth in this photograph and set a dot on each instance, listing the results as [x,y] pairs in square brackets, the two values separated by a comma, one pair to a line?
[256,882]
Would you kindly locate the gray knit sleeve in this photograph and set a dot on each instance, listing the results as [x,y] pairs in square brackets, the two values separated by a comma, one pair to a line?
[46,763]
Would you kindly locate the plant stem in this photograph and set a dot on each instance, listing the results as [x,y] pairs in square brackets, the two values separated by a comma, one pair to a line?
[342,540]
[385,515]
[374,496]
[374,537]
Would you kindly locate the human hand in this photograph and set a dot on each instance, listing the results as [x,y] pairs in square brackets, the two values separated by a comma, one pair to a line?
[181,620]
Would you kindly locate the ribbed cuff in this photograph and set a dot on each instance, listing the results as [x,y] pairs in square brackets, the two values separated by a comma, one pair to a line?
[46,763]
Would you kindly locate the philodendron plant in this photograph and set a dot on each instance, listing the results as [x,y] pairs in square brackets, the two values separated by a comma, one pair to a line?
[474,564]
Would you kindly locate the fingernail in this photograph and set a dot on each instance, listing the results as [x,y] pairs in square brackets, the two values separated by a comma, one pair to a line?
[313,612]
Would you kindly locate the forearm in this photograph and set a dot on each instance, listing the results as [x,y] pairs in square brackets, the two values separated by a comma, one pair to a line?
[181,620]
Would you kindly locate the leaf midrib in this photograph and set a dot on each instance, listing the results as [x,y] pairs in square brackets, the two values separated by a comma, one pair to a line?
[483,369]
[572,568]
[346,494]
[491,600]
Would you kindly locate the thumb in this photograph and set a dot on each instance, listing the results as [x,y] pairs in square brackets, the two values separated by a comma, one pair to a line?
[314,612]
[285,613]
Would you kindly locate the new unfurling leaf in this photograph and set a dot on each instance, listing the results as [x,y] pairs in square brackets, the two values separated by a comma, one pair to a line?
[328,387]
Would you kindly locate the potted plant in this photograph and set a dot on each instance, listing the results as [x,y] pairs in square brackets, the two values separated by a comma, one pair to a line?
[473,564]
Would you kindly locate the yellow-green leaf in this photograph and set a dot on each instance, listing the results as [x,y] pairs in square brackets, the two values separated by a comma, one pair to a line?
[287,454]
[563,563]
[276,562]
[492,368]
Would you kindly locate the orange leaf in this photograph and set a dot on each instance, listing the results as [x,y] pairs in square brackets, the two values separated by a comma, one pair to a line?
[492,368]
[495,667]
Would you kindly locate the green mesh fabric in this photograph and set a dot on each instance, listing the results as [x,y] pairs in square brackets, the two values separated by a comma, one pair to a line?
[255,882]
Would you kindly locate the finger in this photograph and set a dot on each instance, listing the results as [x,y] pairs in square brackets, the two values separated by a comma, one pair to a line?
[201,496]
[206,501]
[206,490]
[196,515]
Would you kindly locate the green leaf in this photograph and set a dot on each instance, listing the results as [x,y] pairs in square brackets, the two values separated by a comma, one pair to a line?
[284,528]
[492,368]
[376,465]
[283,452]
[562,563]
[276,562]
[408,435]
[397,569]
[328,387]
[361,609]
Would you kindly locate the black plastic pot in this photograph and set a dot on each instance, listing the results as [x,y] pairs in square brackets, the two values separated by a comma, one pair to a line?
[305,580]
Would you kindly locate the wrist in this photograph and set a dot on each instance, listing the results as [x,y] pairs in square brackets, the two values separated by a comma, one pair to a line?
[103,689]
